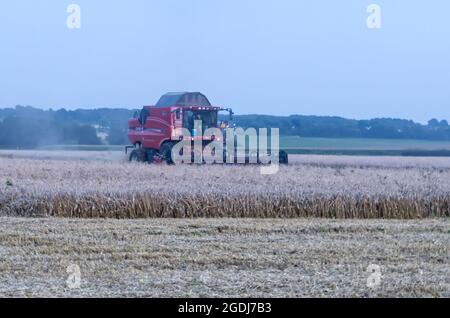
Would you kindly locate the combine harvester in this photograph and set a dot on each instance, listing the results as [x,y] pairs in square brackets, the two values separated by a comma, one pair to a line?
[156,130]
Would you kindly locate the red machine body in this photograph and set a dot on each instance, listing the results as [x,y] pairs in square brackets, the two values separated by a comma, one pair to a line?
[159,125]
[156,129]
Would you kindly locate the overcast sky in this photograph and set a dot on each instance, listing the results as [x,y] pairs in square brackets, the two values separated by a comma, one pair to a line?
[273,57]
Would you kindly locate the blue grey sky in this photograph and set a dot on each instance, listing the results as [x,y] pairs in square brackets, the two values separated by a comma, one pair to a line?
[271,57]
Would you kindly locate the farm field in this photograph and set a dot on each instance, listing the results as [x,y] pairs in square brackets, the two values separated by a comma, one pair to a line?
[142,230]
[362,143]
[335,187]
[224,257]
[317,145]
[365,146]
[65,155]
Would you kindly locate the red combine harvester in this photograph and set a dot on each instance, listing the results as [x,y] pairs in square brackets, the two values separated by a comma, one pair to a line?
[155,130]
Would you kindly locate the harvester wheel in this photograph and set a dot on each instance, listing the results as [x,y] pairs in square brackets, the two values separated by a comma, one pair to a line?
[138,155]
[166,152]
[150,155]
[283,158]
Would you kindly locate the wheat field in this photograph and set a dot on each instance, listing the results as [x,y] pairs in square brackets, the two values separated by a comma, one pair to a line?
[311,186]
[311,230]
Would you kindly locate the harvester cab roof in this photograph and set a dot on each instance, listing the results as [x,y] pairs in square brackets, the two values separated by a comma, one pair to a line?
[191,100]
[183,99]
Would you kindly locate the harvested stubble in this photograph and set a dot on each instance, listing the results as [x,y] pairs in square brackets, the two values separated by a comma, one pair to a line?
[224,257]
[91,189]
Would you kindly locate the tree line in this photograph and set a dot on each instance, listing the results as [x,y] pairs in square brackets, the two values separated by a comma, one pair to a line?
[337,127]
[28,127]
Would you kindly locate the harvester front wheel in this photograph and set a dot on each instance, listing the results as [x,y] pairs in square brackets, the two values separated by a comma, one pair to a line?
[138,155]
[166,152]
[283,157]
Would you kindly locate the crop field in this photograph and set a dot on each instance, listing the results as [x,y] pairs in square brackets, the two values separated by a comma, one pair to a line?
[312,229]
[331,187]
[362,143]
[364,146]
[311,145]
